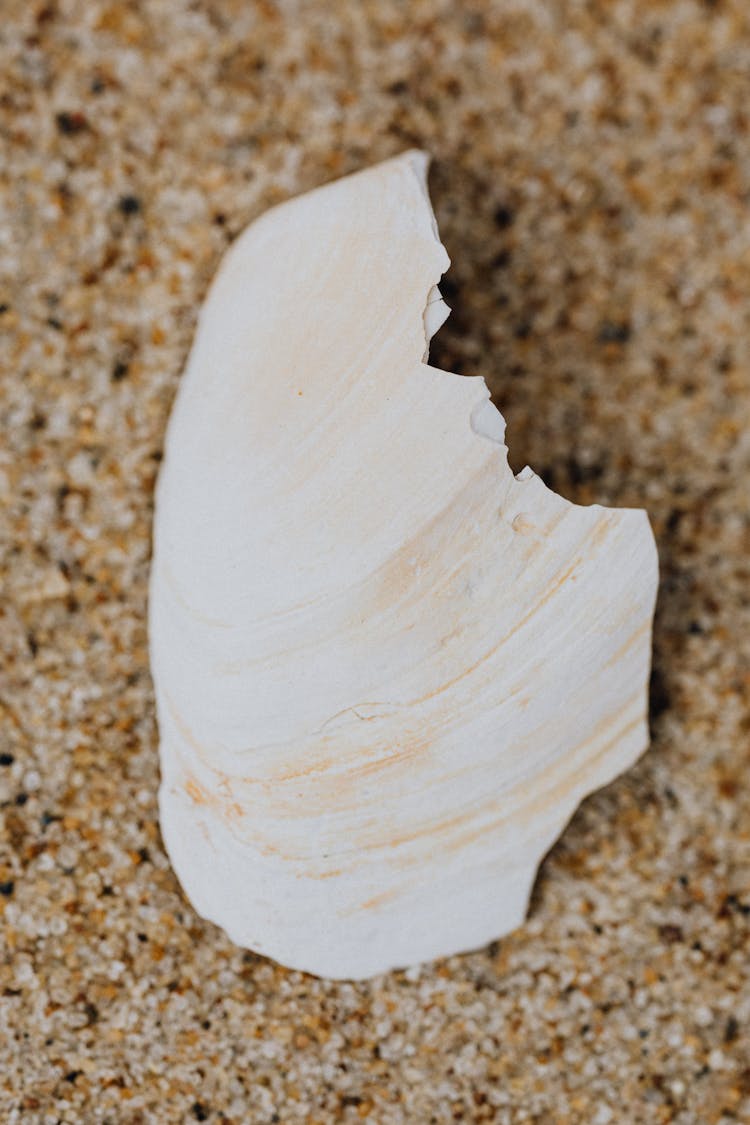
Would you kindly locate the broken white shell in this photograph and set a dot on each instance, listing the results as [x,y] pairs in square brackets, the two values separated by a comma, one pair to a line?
[386,669]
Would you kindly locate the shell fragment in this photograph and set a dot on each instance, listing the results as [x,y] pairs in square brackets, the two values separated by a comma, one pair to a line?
[387,670]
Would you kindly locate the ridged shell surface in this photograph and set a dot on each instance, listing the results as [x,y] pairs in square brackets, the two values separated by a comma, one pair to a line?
[387,670]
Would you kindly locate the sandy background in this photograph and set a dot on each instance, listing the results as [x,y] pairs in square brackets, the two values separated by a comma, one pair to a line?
[591,179]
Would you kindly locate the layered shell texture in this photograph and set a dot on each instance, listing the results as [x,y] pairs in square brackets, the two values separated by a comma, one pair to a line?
[387,670]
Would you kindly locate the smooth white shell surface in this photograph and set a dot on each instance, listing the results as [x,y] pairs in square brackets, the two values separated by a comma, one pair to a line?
[386,669]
